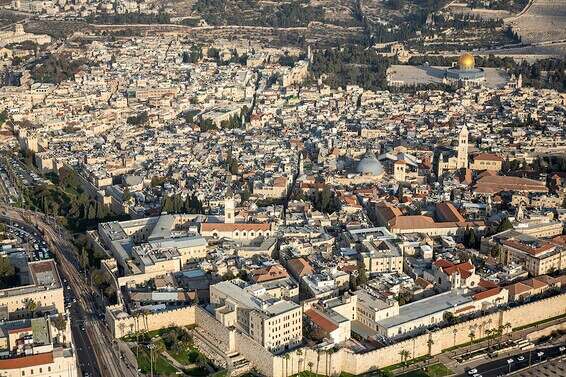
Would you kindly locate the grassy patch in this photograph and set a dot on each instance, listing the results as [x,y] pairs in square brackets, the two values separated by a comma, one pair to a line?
[187,355]
[436,370]
[160,364]
[405,364]
[197,371]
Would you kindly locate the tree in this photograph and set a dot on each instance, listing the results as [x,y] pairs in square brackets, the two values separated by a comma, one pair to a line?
[429,343]
[84,259]
[7,273]
[404,356]
[448,317]
[496,251]
[60,324]
[504,225]
[362,274]
[455,332]
[472,336]
[287,357]
[31,306]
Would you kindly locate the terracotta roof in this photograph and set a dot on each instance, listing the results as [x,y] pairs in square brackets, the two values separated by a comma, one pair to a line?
[300,266]
[559,240]
[20,329]
[447,212]
[269,273]
[443,263]
[320,320]
[465,309]
[388,212]
[26,361]
[518,288]
[486,294]
[535,283]
[487,157]
[221,227]
[527,248]
[493,184]
[424,284]
[487,284]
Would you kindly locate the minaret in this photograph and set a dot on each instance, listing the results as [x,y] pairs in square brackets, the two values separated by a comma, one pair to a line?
[229,208]
[463,149]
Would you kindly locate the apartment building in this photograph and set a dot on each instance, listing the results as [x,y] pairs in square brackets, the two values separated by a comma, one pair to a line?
[382,256]
[151,246]
[36,346]
[44,288]
[274,323]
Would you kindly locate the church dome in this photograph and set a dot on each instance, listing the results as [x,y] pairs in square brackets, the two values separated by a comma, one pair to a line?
[369,165]
[466,61]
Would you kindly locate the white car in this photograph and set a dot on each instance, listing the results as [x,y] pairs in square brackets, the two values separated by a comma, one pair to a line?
[521,358]
[510,361]
[540,353]
[472,372]
[561,348]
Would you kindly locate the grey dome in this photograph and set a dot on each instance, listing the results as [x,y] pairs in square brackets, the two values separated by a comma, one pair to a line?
[369,165]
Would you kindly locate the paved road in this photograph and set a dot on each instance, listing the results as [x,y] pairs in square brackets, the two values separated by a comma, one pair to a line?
[516,362]
[96,349]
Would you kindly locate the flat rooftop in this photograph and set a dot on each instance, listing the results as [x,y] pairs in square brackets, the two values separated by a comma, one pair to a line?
[425,307]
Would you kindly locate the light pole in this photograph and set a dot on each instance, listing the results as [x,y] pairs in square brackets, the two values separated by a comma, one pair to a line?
[150,346]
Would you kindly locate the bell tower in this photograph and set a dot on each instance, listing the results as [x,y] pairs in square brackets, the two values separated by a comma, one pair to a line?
[229,208]
[463,149]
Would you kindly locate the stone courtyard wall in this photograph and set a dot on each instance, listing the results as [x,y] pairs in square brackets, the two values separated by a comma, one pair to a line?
[332,363]
[215,331]
[458,334]
[155,321]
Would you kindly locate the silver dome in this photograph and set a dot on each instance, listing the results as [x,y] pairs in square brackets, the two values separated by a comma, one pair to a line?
[369,165]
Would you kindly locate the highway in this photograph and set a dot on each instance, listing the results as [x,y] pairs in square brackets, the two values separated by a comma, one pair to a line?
[511,364]
[97,351]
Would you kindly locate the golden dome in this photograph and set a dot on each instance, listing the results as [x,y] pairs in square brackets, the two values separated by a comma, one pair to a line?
[466,61]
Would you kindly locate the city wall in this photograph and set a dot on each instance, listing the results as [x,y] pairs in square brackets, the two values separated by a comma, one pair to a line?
[123,324]
[431,343]
[332,363]
[215,331]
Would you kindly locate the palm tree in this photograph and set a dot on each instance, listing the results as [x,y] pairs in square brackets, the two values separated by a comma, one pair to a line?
[507,326]
[455,331]
[287,357]
[488,333]
[404,356]
[121,326]
[429,343]
[472,336]
[310,365]
[299,359]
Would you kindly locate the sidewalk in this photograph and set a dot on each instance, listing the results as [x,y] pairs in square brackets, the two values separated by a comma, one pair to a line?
[449,358]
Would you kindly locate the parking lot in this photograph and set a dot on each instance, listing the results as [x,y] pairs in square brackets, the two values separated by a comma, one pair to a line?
[18,240]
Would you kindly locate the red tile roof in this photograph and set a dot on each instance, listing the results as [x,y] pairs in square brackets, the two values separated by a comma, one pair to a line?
[487,157]
[320,320]
[485,294]
[221,227]
[26,361]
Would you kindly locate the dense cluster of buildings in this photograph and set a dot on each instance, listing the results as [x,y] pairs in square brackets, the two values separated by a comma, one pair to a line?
[35,332]
[361,217]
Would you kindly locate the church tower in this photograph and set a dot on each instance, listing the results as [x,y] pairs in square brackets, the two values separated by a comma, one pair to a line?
[463,148]
[229,208]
